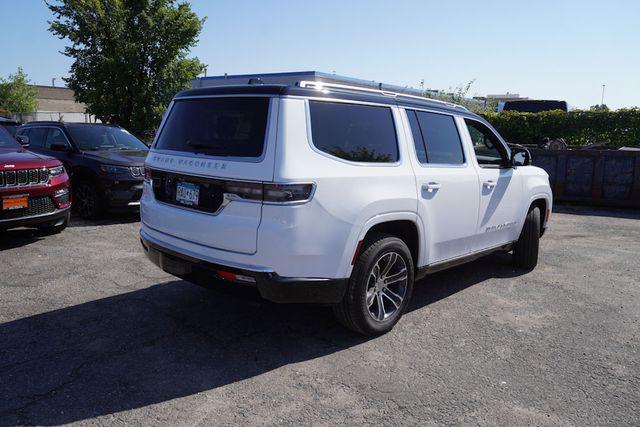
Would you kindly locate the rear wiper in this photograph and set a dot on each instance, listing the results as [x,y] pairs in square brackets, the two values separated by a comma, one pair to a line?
[208,147]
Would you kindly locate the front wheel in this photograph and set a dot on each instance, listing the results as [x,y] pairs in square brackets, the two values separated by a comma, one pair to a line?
[86,200]
[380,287]
[525,252]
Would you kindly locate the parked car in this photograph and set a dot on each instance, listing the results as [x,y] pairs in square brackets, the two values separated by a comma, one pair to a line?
[105,162]
[34,189]
[321,193]
[9,125]
[532,105]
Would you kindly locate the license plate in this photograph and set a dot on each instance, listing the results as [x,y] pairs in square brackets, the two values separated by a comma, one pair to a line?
[15,202]
[187,193]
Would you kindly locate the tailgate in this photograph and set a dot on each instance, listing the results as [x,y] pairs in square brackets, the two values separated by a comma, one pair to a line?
[208,156]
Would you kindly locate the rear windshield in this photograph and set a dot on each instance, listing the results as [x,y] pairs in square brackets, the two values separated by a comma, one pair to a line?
[234,127]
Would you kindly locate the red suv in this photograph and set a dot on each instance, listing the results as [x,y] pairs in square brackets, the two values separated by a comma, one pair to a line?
[34,189]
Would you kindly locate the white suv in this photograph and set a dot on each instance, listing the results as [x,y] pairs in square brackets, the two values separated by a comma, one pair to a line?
[333,194]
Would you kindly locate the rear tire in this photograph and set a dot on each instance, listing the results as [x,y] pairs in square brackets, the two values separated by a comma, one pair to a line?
[525,252]
[380,287]
[86,200]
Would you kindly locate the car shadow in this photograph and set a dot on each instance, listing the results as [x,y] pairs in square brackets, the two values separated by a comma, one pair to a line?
[106,219]
[16,238]
[172,340]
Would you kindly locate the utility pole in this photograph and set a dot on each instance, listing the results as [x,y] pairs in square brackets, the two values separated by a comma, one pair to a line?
[602,99]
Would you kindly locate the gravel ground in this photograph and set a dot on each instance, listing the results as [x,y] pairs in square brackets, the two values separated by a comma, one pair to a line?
[93,333]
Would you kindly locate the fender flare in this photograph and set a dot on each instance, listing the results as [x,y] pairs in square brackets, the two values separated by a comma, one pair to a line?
[354,239]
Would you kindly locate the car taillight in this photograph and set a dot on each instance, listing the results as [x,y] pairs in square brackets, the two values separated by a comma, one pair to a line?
[244,190]
[270,193]
[147,175]
[287,193]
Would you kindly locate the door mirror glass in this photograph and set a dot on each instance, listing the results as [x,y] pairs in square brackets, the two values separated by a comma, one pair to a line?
[520,157]
[23,140]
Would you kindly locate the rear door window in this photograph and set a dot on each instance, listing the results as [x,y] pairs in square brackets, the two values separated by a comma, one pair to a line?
[233,127]
[436,138]
[360,133]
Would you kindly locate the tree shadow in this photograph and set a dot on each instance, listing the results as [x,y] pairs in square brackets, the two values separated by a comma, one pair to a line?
[172,340]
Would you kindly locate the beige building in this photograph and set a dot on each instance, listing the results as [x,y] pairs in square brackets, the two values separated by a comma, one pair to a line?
[58,104]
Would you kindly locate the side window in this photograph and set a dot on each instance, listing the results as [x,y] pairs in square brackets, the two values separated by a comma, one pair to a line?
[489,150]
[360,133]
[418,141]
[37,137]
[441,139]
[55,136]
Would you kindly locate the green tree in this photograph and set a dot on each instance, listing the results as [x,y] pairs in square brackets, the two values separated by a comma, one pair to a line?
[130,56]
[16,95]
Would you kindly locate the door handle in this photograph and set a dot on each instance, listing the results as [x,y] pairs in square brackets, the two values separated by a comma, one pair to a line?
[431,186]
[490,184]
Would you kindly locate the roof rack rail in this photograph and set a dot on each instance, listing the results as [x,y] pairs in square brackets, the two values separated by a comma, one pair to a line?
[323,86]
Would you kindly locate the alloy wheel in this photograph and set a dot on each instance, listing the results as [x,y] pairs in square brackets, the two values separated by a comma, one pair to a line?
[387,286]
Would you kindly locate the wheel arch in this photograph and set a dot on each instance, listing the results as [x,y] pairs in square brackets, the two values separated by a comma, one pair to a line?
[543,202]
[404,225]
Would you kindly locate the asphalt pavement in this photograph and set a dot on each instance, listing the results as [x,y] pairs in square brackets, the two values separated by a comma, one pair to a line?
[93,333]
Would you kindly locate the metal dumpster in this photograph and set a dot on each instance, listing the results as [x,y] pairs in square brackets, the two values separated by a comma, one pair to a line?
[592,177]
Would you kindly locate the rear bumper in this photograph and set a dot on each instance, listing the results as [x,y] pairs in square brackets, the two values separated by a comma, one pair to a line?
[32,221]
[271,286]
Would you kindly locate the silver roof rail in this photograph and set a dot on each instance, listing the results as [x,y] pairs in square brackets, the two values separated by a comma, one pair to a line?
[323,86]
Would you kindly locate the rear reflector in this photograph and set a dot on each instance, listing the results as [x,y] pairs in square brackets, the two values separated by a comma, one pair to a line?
[356,253]
[546,220]
[237,277]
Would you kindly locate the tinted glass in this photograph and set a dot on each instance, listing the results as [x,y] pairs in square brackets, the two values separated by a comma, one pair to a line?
[10,128]
[234,127]
[360,133]
[99,138]
[6,140]
[418,141]
[485,144]
[37,137]
[55,136]
[441,138]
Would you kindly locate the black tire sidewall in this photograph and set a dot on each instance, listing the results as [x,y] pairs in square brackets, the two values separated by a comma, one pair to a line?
[93,191]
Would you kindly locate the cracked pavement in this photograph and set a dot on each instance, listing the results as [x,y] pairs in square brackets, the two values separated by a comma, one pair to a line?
[93,333]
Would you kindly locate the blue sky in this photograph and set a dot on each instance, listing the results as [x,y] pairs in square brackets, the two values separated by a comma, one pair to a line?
[545,49]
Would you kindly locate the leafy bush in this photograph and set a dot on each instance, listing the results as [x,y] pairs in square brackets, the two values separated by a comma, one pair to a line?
[579,127]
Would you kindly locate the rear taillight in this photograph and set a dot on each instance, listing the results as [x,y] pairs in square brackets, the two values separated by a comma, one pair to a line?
[147,175]
[244,190]
[287,193]
[270,193]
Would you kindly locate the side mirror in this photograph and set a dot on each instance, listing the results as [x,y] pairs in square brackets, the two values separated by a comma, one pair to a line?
[23,140]
[59,147]
[520,156]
